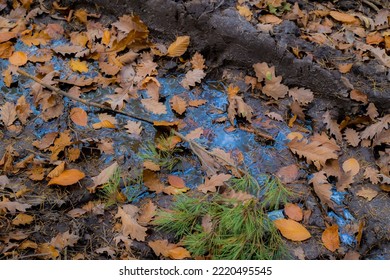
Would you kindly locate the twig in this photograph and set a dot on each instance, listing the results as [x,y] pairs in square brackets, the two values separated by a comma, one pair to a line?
[371,5]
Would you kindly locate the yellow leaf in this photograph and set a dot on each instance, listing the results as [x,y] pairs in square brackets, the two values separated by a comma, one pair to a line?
[106,37]
[330,238]
[179,47]
[103,124]
[77,65]
[292,230]
[18,58]
[22,219]
[68,177]
[351,165]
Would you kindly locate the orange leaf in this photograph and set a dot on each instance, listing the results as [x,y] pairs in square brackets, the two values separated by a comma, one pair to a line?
[351,165]
[330,238]
[176,182]
[345,67]
[79,116]
[293,211]
[103,124]
[179,47]
[179,105]
[68,177]
[77,65]
[18,58]
[292,230]
[342,17]
[22,219]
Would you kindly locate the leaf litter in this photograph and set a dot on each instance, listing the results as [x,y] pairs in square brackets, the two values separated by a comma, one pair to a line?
[132,81]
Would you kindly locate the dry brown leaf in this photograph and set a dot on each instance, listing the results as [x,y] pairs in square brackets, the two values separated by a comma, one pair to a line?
[345,67]
[275,89]
[192,77]
[6,50]
[65,239]
[130,227]
[79,66]
[330,238]
[264,72]
[147,212]
[351,165]
[381,56]
[292,230]
[238,195]
[214,181]
[245,12]
[60,144]
[28,244]
[12,206]
[179,47]
[103,176]
[18,58]
[195,134]
[151,165]
[47,251]
[169,250]
[274,116]
[67,178]
[171,190]
[46,141]
[322,188]
[371,174]
[8,113]
[154,106]
[23,109]
[109,250]
[22,219]
[198,61]
[197,103]
[133,128]
[367,193]
[207,223]
[57,170]
[79,116]
[73,154]
[152,181]
[117,100]
[332,126]
[372,112]
[293,211]
[178,104]
[352,137]
[376,128]
[176,182]
[270,19]
[288,174]
[103,124]
[152,85]
[343,17]
[359,96]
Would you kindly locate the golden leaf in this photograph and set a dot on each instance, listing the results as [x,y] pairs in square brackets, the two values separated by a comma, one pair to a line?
[330,238]
[22,219]
[293,211]
[292,230]
[68,177]
[179,47]
[342,17]
[77,65]
[18,58]
[79,116]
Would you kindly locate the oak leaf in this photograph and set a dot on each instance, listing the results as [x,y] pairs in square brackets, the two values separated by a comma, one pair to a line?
[8,113]
[57,170]
[214,181]
[133,128]
[117,100]
[195,134]
[65,239]
[197,103]
[23,109]
[22,219]
[192,77]
[148,164]
[322,188]
[275,88]
[352,137]
[6,49]
[79,116]
[274,116]
[372,112]
[343,17]
[169,250]
[12,206]
[77,65]
[264,72]
[288,174]
[178,104]
[60,144]
[198,61]
[371,174]
[292,230]
[38,38]
[358,96]
[130,227]
[47,251]
[330,238]
[147,212]
[103,176]
[154,106]
[367,193]
[179,47]
[301,95]
[152,181]
[67,178]
[376,128]
[332,126]
[46,141]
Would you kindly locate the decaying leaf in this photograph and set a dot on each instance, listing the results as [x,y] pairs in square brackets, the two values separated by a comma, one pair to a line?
[65,239]
[292,230]
[103,176]
[147,212]
[330,238]
[22,219]
[192,77]
[214,181]
[67,178]
[351,165]
[179,47]
[367,193]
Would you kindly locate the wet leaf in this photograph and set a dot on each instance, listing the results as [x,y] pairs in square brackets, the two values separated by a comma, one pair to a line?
[18,58]
[179,47]
[130,227]
[292,230]
[293,211]
[330,238]
[192,77]
[79,116]
[169,250]
[367,193]
[154,106]
[22,219]
[67,178]
[351,165]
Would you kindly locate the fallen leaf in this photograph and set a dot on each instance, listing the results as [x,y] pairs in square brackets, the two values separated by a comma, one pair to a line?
[67,178]
[154,106]
[152,181]
[18,58]
[275,89]
[65,239]
[147,212]
[79,116]
[28,244]
[60,144]
[367,193]
[47,251]
[376,128]
[245,12]
[169,250]
[130,227]
[22,219]
[332,126]
[293,211]
[372,112]
[192,77]
[23,110]
[8,113]
[103,124]
[195,134]
[343,17]
[79,66]
[103,176]
[270,19]
[292,230]
[371,174]
[179,47]
[274,116]
[352,137]
[351,165]
[197,61]
[12,206]
[178,104]
[109,250]
[214,181]
[322,188]
[57,170]
[176,182]
[148,164]
[345,67]
[358,96]
[133,128]
[197,103]
[288,174]
[330,238]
